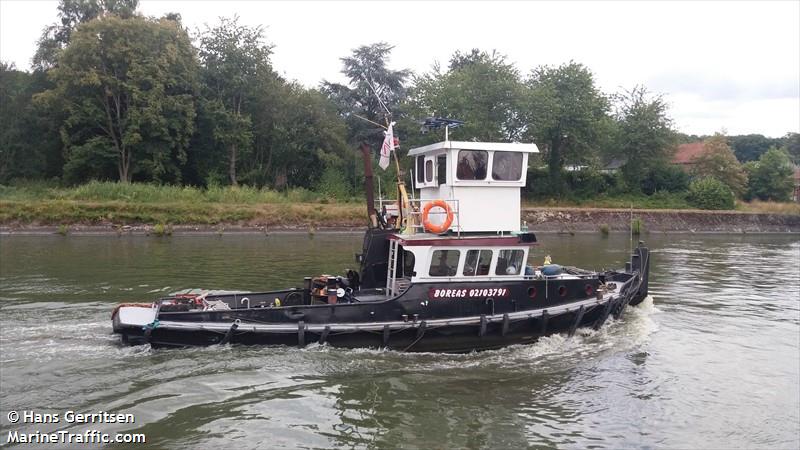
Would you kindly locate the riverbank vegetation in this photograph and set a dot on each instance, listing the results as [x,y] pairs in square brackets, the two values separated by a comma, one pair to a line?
[119,204]
[163,118]
[136,203]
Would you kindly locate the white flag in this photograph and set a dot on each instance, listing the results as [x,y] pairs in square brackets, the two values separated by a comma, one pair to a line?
[387,147]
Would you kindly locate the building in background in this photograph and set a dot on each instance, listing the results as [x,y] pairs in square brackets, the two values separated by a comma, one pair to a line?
[686,153]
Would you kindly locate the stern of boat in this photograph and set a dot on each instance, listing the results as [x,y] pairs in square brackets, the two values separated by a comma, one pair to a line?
[639,266]
[132,319]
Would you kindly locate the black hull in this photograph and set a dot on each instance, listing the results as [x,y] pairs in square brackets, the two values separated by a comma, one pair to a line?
[416,338]
[528,310]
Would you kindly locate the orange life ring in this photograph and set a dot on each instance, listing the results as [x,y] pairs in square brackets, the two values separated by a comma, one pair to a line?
[437,228]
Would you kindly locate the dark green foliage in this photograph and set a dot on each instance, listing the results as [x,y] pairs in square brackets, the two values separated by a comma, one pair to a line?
[368,72]
[479,88]
[367,69]
[307,139]
[666,177]
[683,138]
[333,184]
[770,178]
[72,13]
[30,146]
[750,147]
[236,68]
[710,193]
[566,115]
[719,162]
[616,183]
[791,143]
[644,133]
[126,87]
[587,183]
[536,184]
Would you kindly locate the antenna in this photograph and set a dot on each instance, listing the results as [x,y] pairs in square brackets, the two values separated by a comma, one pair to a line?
[374,91]
[402,195]
[433,123]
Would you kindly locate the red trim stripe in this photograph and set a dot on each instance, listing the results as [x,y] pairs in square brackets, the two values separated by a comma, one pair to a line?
[463,242]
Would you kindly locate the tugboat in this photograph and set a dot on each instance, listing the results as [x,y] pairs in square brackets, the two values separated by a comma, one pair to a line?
[447,272]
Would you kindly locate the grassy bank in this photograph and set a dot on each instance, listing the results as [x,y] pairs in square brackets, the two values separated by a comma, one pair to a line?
[661,201]
[656,201]
[140,193]
[98,203]
[114,203]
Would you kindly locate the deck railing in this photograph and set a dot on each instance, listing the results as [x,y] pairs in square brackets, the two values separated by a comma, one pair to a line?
[415,213]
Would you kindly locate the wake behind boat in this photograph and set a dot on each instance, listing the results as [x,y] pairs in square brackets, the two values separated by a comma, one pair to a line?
[446,272]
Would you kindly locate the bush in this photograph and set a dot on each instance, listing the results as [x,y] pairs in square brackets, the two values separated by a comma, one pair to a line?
[637,227]
[616,183]
[770,178]
[537,183]
[162,230]
[667,178]
[586,183]
[710,193]
[333,184]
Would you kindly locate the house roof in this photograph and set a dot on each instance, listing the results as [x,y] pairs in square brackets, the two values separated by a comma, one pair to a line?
[615,163]
[686,153]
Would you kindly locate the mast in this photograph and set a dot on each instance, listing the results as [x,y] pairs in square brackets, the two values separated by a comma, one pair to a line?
[369,187]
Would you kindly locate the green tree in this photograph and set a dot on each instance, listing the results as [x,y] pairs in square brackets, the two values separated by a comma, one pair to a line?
[30,146]
[480,88]
[367,69]
[792,146]
[127,86]
[770,178]
[72,13]
[750,147]
[710,193]
[566,116]
[644,134]
[307,137]
[235,62]
[719,162]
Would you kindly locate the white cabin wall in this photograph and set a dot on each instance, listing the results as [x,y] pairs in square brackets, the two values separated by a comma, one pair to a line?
[490,210]
[483,205]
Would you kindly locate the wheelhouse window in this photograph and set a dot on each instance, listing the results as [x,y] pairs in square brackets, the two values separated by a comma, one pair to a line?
[509,262]
[441,169]
[477,263]
[408,264]
[421,169]
[472,164]
[507,166]
[444,263]
[428,171]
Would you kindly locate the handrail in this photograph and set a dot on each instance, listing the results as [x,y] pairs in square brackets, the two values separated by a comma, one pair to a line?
[415,213]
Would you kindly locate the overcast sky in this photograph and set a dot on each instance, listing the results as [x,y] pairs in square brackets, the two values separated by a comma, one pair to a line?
[732,66]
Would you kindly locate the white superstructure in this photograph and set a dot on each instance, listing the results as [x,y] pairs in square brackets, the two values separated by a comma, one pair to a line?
[482,180]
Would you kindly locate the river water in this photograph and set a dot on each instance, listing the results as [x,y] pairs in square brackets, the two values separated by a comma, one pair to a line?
[711,360]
